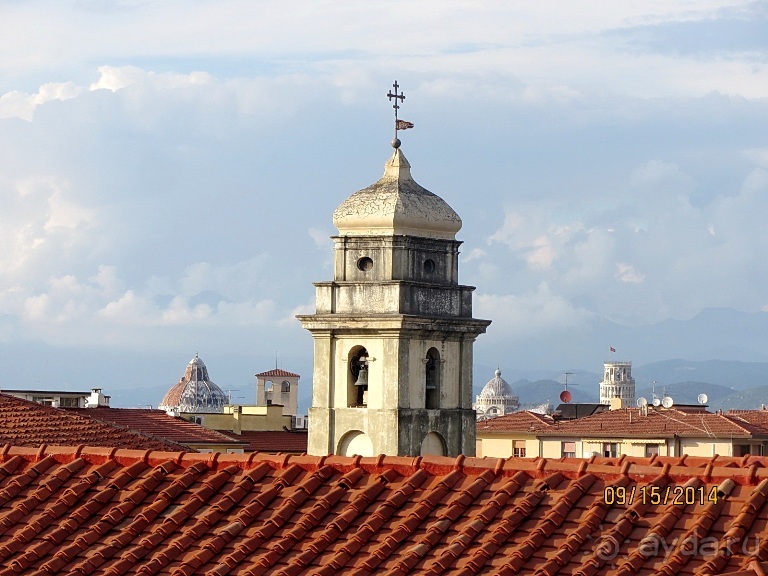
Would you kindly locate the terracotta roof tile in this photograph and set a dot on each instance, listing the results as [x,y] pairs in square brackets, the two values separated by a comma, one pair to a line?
[277,373]
[24,423]
[524,421]
[155,423]
[631,423]
[76,510]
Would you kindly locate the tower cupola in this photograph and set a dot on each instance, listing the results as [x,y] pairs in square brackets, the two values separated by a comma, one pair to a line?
[393,331]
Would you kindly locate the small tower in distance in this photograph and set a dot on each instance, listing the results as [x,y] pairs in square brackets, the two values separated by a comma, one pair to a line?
[278,386]
[393,331]
[618,383]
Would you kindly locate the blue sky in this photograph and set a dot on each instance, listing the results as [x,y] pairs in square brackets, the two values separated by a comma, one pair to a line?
[168,170]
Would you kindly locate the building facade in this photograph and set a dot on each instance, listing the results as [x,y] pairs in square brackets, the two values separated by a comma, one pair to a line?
[393,331]
[620,432]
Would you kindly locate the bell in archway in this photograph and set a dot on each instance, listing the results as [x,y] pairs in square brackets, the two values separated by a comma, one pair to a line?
[362,376]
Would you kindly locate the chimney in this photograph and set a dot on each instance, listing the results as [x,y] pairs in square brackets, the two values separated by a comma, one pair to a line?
[97,399]
[237,420]
[617,403]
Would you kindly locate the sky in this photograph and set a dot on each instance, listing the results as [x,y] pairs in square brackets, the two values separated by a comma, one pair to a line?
[168,172]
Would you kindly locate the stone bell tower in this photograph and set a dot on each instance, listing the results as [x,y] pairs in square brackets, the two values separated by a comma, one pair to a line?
[393,332]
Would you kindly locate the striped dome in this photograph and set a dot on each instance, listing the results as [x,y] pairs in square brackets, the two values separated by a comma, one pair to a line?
[195,392]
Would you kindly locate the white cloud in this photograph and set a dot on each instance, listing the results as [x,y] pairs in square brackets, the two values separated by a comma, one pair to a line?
[176,168]
[535,313]
[17,104]
[627,273]
[321,237]
[474,254]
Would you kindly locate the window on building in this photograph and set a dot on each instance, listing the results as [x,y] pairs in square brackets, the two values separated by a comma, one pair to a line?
[269,388]
[651,450]
[569,449]
[432,378]
[65,402]
[285,387]
[741,449]
[518,448]
[45,400]
[610,449]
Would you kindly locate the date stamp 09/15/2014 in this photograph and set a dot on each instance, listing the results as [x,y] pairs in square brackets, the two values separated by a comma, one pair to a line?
[660,496]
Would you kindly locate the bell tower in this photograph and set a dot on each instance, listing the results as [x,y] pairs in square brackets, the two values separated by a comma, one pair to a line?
[393,331]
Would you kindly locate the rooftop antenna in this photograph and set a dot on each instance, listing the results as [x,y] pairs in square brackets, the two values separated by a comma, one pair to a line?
[656,401]
[399,124]
[565,395]
[702,398]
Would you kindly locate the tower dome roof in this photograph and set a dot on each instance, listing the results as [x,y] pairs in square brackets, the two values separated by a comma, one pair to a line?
[496,387]
[195,392]
[396,205]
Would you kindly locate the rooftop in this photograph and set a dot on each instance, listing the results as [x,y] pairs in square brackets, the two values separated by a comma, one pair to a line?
[395,205]
[103,511]
[632,423]
[156,423]
[524,421]
[277,373]
[24,423]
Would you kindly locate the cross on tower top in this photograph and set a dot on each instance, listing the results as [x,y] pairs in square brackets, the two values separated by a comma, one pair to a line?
[399,124]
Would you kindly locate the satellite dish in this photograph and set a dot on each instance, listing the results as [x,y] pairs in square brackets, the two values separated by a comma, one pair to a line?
[656,402]
[667,402]
[702,398]
[565,396]
[642,402]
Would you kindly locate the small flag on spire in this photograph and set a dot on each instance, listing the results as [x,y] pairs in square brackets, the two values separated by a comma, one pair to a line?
[613,349]
[403,125]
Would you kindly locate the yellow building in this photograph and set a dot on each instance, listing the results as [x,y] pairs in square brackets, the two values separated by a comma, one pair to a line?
[625,431]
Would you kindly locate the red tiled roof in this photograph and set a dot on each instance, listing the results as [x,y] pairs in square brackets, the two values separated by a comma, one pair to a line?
[277,373]
[272,440]
[523,421]
[24,423]
[630,423]
[114,512]
[155,423]
[757,418]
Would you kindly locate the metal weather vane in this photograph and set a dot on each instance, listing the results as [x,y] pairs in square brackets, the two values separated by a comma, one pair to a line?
[399,124]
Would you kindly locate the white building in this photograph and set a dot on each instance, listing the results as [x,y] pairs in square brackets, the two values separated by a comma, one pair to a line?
[496,398]
[618,383]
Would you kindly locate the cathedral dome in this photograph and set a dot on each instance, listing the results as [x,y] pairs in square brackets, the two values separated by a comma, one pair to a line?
[195,392]
[396,205]
[496,387]
[496,398]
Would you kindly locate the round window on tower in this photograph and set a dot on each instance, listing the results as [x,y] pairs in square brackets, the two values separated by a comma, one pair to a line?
[364,264]
[429,266]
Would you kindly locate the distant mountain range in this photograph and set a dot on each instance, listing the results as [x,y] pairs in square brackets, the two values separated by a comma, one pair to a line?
[535,367]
